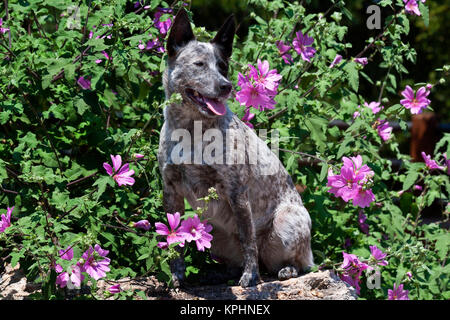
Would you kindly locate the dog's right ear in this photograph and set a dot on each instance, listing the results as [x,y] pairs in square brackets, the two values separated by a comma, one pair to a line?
[180,33]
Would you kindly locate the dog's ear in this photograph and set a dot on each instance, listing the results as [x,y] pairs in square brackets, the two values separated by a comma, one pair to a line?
[180,33]
[224,37]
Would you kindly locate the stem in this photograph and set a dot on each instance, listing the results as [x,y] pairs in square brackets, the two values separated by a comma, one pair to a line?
[81,179]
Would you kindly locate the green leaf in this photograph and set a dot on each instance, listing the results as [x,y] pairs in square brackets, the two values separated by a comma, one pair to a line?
[352,75]
[410,179]
[425,13]
[102,182]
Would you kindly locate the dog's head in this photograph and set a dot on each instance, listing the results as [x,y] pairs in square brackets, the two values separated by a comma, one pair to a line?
[198,70]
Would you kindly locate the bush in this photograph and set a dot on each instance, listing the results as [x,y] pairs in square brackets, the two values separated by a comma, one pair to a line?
[81,84]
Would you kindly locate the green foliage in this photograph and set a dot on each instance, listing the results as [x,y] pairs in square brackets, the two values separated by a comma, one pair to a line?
[55,137]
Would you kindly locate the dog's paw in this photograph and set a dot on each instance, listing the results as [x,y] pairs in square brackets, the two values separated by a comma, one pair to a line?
[249,279]
[287,273]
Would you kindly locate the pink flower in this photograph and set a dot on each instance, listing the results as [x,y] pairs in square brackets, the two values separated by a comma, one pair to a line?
[415,103]
[336,60]
[259,87]
[417,187]
[374,106]
[362,224]
[106,56]
[142,224]
[173,235]
[362,61]
[62,279]
[268,79]
[205,239]
[66,254]
[409,274]
[95,267]
[84,83]
[138,155]
[5,221]
[356,114]
[162,26]
[114,289]
[194,230]
[248,117]
[398,293]
[351,183]
[411,7]
[121,173]
[301,44]
[384,130]
[2,30]
[431,164]
[353,269]
[378,255]
[284,48]
[77,277]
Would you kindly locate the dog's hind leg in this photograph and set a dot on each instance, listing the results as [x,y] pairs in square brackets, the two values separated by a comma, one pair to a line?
[286,250]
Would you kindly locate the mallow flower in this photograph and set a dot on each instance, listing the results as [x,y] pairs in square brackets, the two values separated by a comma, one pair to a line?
[121,174]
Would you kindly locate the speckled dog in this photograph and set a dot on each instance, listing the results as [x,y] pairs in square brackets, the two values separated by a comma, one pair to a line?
[259,217]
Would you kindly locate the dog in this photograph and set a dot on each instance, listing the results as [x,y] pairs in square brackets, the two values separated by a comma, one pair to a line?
[258,218]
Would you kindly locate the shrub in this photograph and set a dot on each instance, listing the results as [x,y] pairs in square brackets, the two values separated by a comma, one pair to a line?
[82,85]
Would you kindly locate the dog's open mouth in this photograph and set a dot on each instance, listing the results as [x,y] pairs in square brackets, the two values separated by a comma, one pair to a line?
[210,105]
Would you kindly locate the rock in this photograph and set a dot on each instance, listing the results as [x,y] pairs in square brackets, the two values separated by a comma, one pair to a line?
[322,285]
[13,284]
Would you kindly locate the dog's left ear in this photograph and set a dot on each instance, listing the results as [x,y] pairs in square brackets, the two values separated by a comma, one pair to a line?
[224,37]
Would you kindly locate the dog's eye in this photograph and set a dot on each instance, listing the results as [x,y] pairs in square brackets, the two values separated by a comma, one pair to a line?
[199,64]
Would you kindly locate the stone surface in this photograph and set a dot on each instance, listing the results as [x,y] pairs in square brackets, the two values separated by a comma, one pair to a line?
[322,285]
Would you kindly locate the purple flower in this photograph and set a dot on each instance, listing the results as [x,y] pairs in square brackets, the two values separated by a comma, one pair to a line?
[121,173]
[384,130]
[301,44]
[66,254]
[114,289]
[431,164]
[415,103]
[173,235]
[138,156]
[362,61]
[363,197]
[409,274]
[142,224]
[347,243]
[362,224]
[106,56]
[5,221]
[417,187]
[162,26]
[336,60]
[398,293]
[378,255]
[411,7]
[95,267]
[263,76]
[84,83]
[283,49]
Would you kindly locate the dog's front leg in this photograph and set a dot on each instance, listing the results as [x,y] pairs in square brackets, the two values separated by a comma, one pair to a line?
[174,202]
[240,205]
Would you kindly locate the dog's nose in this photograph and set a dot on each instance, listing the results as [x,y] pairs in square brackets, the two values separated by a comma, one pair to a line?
[225,88]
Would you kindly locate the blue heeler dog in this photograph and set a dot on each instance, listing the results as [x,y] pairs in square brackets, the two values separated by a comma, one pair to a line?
[259,218]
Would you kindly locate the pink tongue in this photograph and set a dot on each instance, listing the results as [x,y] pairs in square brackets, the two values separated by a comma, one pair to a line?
[216,106]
